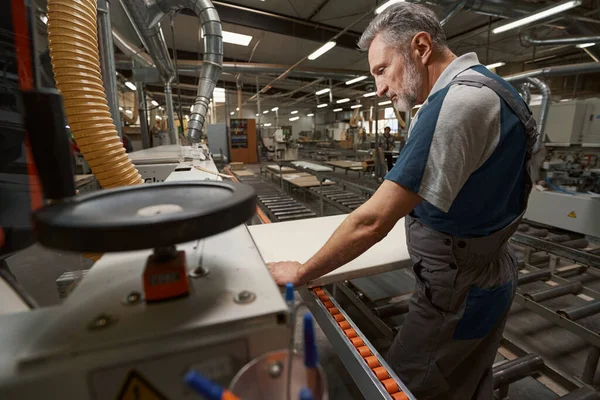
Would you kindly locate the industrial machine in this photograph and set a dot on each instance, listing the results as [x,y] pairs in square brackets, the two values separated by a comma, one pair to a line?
[568,191]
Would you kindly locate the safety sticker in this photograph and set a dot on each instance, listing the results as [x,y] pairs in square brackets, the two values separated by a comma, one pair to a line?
[572,214]
[136,387]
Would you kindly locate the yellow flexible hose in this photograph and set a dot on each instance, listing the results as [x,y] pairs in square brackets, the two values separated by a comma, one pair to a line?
[73,42]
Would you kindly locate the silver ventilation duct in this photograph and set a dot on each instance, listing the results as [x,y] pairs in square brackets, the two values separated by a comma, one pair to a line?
[571,69]
[544,90]
[146,15]
[560,41]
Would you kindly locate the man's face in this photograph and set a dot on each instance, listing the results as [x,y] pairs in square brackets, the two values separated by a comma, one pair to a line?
[396,76]
[386,131]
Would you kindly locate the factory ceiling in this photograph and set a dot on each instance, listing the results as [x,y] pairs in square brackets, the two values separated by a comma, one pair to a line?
[286,31]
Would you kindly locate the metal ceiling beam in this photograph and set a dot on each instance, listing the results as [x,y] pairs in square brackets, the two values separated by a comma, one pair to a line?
[281,24]
[318,9]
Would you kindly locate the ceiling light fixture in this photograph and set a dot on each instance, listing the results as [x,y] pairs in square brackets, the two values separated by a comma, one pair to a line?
[386,5]
[186,117]
[266,112]
[294,119]
[385,103]
[322,105]
[337,109]
[322,50]
[310,115]
[154,103]
[44,18]
[495,65]
[120,108]
[370,94]
[257,115]
[267,124]
[356,80]
[219,95]
[584,45]
[544,13]
[356,106]
[341,101]
[237,109]
[233,38]
[274,108]
[130,85]
[231,113]
[294,112]
[323,91]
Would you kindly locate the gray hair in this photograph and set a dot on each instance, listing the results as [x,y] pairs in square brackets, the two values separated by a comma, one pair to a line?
[400,22]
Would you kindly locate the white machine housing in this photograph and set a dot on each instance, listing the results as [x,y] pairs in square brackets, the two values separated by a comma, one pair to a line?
[61,352]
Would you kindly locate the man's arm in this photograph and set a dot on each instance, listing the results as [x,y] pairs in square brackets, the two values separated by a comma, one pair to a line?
[363,228]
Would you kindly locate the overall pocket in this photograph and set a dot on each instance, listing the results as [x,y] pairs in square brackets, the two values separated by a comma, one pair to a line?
[484,309]
[437,282]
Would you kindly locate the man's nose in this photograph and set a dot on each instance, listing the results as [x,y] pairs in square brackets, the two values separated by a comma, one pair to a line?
[382,89]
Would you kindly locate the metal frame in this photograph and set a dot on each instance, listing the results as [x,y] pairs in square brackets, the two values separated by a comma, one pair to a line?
[367,312]
[568,253]
[364,378]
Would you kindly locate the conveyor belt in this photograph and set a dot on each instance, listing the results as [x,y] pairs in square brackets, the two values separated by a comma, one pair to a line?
[272,201]
[343,199]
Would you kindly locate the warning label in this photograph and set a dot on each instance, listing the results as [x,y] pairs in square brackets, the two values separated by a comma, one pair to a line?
[136,387]
[572,214]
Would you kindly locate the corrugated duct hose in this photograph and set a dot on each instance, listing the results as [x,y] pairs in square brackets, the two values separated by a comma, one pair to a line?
[73,42]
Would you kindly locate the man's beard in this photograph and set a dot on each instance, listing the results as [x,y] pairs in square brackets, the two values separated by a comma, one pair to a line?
[411,83]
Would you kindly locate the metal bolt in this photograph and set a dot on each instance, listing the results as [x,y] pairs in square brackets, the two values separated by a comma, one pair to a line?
[199,272]
[275,369]
[244,297]
[133,298]
[101,321]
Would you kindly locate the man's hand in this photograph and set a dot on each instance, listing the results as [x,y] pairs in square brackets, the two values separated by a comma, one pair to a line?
[286,271]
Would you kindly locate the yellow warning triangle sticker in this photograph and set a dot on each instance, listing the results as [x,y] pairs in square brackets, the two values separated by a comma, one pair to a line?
[136,387]
[572,214]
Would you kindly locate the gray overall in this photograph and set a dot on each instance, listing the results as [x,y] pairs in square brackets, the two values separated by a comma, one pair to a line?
[464,288]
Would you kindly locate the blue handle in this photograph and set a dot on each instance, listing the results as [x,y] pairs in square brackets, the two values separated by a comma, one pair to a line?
[311,357]
[203,386]
[306,394]
[289,292]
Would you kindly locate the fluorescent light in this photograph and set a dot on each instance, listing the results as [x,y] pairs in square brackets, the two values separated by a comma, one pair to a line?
[274,108]
[337,109]
[584,45]
[370,94]
[294,119]
[385,103]
[129,112]
[154,103]
[539,15]
[44,18]
[186,117]
[356,106]
[323,91]
[266,112]
[219,95]
[67,126]
[158,118]
[322,50]
[340,101]
[355,80]
[386,5]
[257,115]
[310,115]
[495,65]
[267,124]
[235,38]
[322,105]
[237,109]
[231,113]
[120,108]
[294,112]
[161,109]
[130,85]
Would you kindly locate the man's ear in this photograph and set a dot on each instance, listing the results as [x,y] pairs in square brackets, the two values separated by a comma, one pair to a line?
[422,47]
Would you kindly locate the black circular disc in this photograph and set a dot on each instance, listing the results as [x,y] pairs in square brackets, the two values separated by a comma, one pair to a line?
[144,216]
